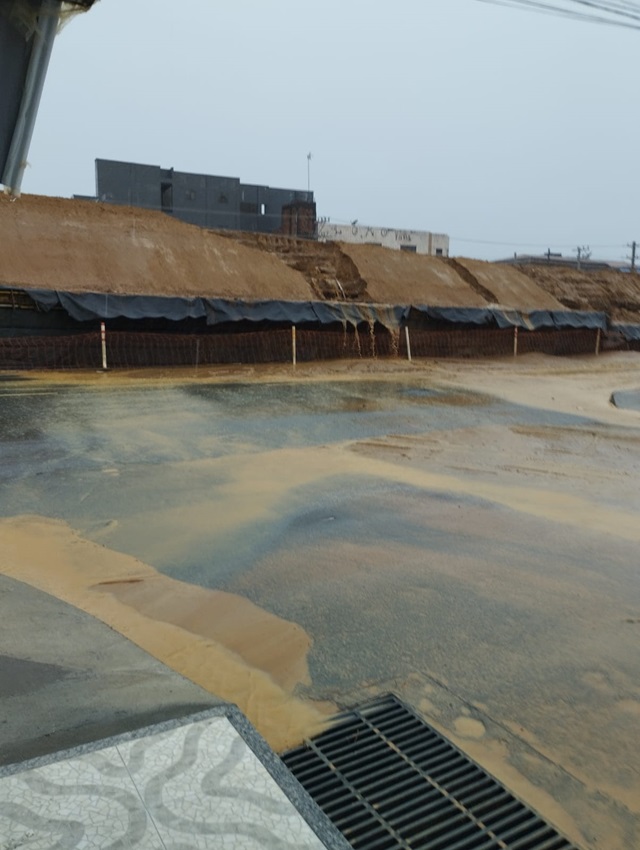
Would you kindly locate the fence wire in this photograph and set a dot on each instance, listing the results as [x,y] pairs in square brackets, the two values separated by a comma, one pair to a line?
[126,350]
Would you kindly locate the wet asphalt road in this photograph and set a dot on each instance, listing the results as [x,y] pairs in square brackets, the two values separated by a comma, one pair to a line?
[96,458]
[468,609]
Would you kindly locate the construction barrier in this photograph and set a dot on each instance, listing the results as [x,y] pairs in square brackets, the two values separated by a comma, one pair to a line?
[126,350]
[561,343]
[467,342]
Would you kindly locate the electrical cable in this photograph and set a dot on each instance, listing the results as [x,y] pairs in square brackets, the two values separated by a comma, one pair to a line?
[622,14]
[527,244]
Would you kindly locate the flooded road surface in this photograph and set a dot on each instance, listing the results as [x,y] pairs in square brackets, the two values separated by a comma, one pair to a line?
[477,557]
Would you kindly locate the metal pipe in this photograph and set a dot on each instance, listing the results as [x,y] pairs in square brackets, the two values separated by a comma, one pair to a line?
[43,39]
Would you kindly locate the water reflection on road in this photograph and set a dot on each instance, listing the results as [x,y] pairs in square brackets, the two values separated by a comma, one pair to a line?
[463,605]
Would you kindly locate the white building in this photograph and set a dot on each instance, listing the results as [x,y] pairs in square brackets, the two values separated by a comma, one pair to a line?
[416,241]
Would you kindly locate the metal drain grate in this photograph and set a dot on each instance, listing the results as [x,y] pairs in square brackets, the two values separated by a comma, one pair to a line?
[389,781]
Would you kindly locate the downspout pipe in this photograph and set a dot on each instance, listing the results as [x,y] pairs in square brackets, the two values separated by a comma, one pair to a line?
[44,37]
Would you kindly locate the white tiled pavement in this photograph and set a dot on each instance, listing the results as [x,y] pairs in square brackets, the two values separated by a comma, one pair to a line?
[192,787]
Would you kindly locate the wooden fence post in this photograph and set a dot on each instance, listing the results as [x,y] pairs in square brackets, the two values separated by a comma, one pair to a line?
[406,335]
[103,340]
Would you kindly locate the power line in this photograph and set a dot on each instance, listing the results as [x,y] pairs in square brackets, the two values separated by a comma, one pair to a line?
[630,11]
[620,13]
[526,244]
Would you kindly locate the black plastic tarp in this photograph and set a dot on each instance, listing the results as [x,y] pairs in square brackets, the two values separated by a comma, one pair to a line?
[628,332]
[87,306]
[567,319]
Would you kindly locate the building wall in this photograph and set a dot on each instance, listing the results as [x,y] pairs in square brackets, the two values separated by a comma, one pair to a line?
[440,244]
[201,199]
[15,52]
[129,184]
[418,241]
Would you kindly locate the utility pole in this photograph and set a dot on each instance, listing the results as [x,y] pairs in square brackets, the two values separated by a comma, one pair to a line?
[309,172]
[633,247]
[584,253]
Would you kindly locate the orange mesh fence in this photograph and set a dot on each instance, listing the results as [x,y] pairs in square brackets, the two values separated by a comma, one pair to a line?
[349,343]
[563,342]
[129,350]
[460,342]
[78,351]
[136,350]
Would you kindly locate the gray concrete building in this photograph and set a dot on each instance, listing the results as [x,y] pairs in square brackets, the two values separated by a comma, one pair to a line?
[201,199]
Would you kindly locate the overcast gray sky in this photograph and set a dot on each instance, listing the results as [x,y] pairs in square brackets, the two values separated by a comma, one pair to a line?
[492,124]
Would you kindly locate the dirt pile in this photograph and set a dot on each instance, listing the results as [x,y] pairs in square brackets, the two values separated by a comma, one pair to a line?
[614,292]
[508,287]
[330,273]
[54,243]
[399,277]
[83,246]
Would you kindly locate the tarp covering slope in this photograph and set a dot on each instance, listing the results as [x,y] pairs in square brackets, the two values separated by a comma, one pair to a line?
[628,332]
[88,306]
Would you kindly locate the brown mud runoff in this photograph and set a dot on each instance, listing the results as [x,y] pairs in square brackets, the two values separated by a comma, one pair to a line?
[220,641]
[563,747]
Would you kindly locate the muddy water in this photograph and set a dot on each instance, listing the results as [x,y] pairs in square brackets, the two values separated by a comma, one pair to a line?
[170,475]
[477,557]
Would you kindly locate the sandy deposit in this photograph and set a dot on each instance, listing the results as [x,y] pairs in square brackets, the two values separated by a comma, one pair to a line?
[54,243]
[220,641]
[581,385]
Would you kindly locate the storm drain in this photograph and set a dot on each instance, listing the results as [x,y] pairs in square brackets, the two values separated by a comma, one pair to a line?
[388,780]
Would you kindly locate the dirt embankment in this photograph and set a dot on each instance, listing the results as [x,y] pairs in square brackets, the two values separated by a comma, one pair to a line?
[330,273]
[398,277]
[83,246]
[509,287]
[614,292]
[80,246]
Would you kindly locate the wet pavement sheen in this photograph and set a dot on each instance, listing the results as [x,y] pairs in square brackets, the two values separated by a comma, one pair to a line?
[467,608]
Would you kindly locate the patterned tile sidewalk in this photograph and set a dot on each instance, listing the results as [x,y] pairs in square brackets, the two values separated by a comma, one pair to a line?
[208,781]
